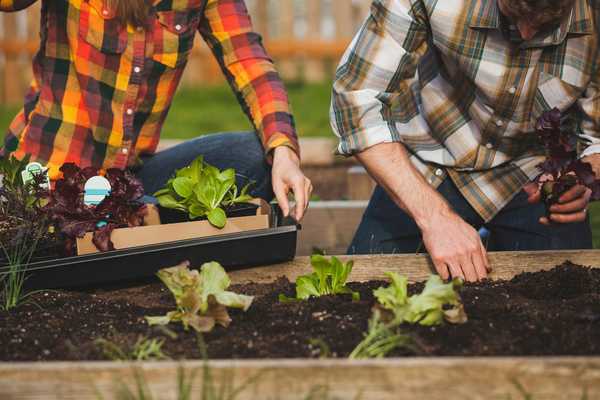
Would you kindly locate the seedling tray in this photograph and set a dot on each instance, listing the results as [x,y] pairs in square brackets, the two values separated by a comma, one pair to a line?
[234,251]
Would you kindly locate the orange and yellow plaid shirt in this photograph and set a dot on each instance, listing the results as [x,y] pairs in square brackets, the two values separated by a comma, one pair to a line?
[101,91]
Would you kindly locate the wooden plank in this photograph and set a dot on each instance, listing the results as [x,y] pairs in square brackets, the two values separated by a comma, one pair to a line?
[329,226]
[418,267]
[413,378]
[360,183]
[13,87]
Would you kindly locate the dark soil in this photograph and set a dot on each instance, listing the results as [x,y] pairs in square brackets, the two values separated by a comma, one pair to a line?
[545,313]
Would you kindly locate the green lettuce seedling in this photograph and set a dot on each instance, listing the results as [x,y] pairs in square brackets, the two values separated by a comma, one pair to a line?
[201,297]
[437,302]
[329,278]
[202,190]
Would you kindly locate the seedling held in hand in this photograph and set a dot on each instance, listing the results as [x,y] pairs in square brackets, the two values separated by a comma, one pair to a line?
[562,169]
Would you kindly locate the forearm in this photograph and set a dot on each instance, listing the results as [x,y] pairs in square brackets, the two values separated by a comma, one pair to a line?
[15,5]
[390,166]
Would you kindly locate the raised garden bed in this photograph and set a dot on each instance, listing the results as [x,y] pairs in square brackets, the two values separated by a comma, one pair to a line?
[551,313]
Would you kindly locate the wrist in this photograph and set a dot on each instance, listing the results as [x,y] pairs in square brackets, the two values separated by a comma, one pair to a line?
[427,218]
[285,153]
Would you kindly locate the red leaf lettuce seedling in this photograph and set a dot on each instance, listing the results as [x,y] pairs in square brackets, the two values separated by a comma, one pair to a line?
[202,190]
[329,278]
[69,213]
[562,168]
[201,297]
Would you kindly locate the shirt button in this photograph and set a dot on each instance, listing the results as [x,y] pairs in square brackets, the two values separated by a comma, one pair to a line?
[105,12]
[499,123]
[124,150]
[489,146]
[177,27]
[129,111]
[137,70]
[139,29]
[439,172]
[512,90]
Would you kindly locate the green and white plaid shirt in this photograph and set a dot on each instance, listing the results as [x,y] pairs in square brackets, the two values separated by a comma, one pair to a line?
[440,77]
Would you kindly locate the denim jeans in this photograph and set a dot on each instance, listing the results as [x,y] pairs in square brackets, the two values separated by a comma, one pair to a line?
[385,228]
[242,151]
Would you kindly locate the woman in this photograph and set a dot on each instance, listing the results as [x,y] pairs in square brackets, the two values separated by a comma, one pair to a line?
[105,76]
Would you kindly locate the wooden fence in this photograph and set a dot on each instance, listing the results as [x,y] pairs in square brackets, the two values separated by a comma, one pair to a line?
[305,37]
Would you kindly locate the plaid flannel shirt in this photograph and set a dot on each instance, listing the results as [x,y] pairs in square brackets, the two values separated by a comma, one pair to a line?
[441,78]
[101,91]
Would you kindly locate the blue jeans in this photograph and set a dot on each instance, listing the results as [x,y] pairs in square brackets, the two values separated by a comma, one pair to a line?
[241,151]
[385,228]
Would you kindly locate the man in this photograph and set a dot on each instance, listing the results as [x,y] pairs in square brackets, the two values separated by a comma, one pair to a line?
[105,77]
[434,98]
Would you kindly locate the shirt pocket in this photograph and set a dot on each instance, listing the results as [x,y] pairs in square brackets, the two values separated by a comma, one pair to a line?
[173,35]
[554,92]
[99,27]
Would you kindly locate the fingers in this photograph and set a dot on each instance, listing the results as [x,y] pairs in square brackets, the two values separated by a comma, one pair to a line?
[534,194]
[468,269]
[300,196]
[455,270]
[565,218]
[575,192]
[480,265]
[442,269]
[572,207]
[484,256]
[281,194]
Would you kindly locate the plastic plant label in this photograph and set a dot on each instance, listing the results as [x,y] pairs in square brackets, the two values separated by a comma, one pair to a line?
[95,190]
[31,170]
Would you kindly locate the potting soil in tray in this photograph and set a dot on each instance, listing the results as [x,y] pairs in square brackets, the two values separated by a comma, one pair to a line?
[545,313]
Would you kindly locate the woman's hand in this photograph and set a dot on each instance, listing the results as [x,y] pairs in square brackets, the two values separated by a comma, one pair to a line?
[287,177]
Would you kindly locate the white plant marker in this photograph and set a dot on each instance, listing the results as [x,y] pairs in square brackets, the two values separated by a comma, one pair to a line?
[31,170]
[95,190]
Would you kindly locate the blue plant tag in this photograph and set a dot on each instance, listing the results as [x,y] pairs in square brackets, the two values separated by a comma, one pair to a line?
[31,170]
[95,190]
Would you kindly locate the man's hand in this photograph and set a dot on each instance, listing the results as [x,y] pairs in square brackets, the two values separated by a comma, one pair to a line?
[287,176]
[571,207]
[455,247]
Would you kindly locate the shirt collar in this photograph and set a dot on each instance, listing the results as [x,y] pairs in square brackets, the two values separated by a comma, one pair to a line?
[485,14]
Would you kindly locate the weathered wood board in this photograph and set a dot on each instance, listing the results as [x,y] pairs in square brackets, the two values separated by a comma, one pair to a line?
[543,378]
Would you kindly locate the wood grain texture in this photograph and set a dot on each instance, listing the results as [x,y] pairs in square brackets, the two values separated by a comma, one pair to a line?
[418,267]
[394,379]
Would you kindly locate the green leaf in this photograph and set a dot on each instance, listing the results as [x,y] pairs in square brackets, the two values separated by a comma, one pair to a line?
[184,187]
[202,190]
[307,286]
[426,308]
[201,297]
[217,218]
[168,201]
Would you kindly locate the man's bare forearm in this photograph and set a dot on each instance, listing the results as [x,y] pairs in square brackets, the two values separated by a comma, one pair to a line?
[390,166]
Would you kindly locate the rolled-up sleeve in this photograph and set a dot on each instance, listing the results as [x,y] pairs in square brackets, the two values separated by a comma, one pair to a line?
[15,5]
[375,93]
[589,106]
[227,29]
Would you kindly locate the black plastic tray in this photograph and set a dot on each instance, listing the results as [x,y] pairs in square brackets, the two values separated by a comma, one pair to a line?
[233,251]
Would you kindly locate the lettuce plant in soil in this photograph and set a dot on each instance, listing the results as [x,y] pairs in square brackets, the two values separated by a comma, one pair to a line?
[201,297]
[24,227]
[562,168]
[73,218]
[201,190]
[438,302]
[329,278]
